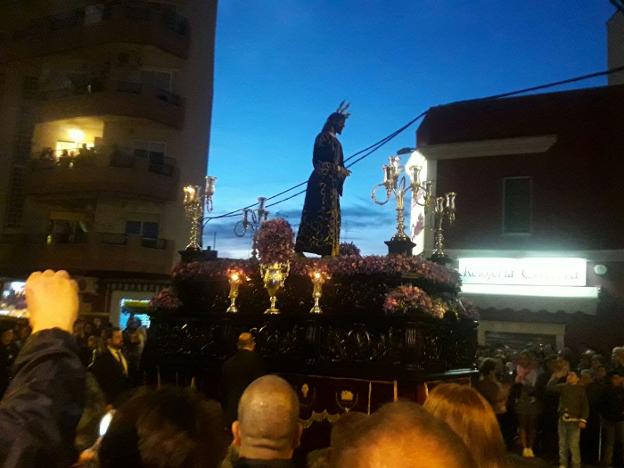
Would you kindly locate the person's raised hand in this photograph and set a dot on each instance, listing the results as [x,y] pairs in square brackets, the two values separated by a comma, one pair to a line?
[51,300]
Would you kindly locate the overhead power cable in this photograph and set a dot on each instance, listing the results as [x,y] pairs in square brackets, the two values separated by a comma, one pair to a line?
[365,152]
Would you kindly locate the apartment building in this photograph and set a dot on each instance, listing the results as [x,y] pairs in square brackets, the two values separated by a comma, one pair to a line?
[105,110]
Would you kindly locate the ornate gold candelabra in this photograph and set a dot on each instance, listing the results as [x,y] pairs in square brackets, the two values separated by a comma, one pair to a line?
[196,201]
[444,209]
[273,276]
[396,182]
[235,278]
[318,279]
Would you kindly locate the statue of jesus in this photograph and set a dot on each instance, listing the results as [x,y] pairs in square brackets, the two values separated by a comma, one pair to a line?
[319,230]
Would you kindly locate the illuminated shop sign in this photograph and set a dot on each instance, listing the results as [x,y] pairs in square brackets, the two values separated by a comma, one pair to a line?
[524,271]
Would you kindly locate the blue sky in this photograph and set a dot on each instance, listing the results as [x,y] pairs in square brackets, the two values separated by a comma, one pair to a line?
[282,66]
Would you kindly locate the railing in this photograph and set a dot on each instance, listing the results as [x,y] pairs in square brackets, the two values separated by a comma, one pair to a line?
[106,238]
[157,163]
[137,11]
[83,85]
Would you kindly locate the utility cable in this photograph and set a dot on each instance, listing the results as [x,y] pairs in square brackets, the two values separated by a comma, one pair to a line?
[365,152]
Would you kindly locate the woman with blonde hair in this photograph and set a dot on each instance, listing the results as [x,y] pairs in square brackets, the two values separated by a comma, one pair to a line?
[471,417]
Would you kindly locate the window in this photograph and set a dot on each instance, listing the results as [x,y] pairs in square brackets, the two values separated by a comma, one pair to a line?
[517,205]
[145,229]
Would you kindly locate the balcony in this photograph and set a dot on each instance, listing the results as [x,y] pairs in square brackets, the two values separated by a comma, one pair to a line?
[98,252]
[95,25]
[104,171]
[115,98]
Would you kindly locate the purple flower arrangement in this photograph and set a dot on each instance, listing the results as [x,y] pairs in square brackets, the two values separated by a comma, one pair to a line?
[408,299]
[166,301]
[349,249]
[274,241]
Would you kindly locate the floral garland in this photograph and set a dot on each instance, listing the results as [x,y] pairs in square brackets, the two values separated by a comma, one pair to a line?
[338,266]
[408,299]
[209,270]
[274,241]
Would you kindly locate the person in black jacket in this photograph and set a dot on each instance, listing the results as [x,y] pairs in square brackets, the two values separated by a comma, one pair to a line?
[42,406]
[239,371]
[111,368]
[612,415]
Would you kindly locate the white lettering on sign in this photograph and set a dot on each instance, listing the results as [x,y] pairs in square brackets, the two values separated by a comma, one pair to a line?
[524,271]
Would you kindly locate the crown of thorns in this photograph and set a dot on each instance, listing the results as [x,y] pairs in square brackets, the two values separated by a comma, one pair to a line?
[342,109]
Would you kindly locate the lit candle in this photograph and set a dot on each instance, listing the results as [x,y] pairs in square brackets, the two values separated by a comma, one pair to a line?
[415,173]
[450,201]
[210,186]
[439,206]
[190,194]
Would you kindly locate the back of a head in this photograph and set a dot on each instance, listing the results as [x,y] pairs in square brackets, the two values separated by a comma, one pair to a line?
[268,417]
[401,435]
[472,419]
[170,427]
[245,341]
[344,426]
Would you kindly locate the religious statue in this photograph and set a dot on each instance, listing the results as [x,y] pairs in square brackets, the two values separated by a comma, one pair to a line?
[319,231]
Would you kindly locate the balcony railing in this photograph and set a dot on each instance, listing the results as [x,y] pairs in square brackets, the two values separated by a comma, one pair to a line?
[136,22]
[103,169]
[89,97]
[99,251]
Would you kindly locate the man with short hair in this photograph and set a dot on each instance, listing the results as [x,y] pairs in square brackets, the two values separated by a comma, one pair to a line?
[240,370]
[110,368]
[268,428]
[402,435]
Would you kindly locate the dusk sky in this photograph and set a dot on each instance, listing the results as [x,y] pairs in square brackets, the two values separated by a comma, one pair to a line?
[282,66]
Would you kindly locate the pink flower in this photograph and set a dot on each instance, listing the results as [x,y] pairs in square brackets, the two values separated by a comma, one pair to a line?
[165,300]
[408,299]
[275,242]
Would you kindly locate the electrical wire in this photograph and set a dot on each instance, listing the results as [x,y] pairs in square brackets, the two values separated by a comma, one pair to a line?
[365,152]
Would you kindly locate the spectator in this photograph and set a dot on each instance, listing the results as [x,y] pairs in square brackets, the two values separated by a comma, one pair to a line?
[590,437]
[573,413]
[268,429]
[40,410]
[111,369]
[402,435]
[239,371]
[527,405]
[340,431]
[166,428]
[612,416]
[490,387]
[470,416]
[134,342]
[617,359]
[83,151]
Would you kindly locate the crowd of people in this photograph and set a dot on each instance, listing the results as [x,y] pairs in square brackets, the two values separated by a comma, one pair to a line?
[557,404]
[70,376]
